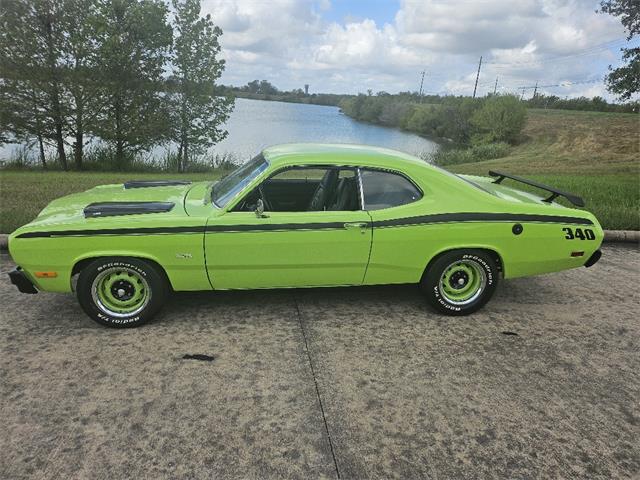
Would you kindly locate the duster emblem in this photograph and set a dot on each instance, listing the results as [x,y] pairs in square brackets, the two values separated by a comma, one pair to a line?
[184,255]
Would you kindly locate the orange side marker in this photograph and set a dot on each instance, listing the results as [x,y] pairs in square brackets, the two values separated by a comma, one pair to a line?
[46,274]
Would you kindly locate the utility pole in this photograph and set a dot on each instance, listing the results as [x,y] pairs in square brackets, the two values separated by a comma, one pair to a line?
[477,77]
[495,87]
[421,83]
[535,90]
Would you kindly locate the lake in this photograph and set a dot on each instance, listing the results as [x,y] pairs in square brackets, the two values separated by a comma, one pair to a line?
[256,124]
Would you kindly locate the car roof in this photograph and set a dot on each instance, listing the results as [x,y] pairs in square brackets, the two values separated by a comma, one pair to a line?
[339,153]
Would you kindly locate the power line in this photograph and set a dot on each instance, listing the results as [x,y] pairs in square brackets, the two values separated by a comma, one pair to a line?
[558,59]
[561,84]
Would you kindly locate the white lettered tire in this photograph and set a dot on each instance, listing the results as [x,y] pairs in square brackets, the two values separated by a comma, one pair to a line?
[121,292]
[460,282]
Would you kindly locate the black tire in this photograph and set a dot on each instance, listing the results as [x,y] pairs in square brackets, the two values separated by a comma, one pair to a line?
[106,284]
[449,272]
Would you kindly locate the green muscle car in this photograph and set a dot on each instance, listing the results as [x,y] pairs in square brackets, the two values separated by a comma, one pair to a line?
[301,215]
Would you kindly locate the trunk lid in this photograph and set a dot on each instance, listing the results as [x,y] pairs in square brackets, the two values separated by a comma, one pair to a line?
[508,193]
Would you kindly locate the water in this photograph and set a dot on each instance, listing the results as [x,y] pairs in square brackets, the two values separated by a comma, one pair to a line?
[256,124]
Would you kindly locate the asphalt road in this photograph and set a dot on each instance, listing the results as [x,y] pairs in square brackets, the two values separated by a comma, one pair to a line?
[359,383]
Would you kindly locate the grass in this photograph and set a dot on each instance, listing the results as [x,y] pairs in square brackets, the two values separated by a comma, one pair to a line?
[24,193]
[593,154]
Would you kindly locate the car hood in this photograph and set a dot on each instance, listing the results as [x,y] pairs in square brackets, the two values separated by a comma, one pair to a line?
[137,200]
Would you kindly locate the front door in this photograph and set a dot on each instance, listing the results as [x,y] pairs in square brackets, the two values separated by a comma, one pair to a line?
[287,249]
[326,246]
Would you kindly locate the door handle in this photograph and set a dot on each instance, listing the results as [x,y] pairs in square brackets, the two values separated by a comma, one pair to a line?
[354,225]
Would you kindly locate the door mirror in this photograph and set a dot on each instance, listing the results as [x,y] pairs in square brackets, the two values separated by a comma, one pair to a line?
[260,209]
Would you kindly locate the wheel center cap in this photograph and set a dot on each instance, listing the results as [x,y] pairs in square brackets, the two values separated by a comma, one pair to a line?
[122,290]
[459,280]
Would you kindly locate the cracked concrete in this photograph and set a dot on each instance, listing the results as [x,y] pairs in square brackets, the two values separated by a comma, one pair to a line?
[369,376]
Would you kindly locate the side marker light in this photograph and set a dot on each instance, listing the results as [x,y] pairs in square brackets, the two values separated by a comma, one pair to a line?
[46,274]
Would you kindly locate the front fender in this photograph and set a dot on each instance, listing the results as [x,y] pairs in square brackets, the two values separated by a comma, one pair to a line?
[180,255]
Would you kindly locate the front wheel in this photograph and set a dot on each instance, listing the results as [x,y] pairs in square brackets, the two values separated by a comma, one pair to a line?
[460,282]
[121,292]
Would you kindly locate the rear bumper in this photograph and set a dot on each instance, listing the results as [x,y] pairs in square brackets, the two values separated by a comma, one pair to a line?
[593,259]
[20,280]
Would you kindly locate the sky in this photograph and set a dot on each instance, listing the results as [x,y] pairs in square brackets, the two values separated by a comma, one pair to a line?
[351,46]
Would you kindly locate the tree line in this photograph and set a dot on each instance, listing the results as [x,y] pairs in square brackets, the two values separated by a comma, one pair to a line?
[265,90]
[122,71]
[464,120]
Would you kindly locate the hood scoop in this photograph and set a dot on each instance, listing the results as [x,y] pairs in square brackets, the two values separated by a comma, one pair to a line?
[154,183]
[112,209]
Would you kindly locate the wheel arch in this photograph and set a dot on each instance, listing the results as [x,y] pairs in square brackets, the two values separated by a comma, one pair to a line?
[494,252]
[82,262]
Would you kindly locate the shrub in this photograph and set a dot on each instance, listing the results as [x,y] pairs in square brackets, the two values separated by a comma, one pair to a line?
[477,153]
[500,119]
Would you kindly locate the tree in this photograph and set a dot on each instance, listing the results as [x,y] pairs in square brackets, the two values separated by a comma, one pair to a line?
[252,87]
[83,86]
[624,81]
[266,88]
[133,39]
[47,50]
[263,87]
[198,113]
[31,36]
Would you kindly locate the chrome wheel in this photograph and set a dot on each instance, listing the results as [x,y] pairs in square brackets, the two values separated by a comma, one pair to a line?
[120,292]
[462,282]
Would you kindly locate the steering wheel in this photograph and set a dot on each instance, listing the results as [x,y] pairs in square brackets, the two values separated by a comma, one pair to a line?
[267,203]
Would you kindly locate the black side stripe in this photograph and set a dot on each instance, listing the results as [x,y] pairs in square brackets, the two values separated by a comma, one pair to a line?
[480,217]
[278,226]
[398,222]
[113,231]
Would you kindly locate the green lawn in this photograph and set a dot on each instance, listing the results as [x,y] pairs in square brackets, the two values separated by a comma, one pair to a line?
[24,193]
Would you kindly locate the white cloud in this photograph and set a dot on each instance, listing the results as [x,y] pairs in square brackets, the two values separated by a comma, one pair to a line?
[289,42]
[358,46]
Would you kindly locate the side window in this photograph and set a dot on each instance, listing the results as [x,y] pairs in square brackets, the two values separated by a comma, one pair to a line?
[306,189]
[386,189]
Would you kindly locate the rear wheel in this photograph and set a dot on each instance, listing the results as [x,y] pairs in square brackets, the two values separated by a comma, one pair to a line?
[460,282]
[121,292]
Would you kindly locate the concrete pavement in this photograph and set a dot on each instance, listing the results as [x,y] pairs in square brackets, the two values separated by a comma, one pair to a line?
[360,383]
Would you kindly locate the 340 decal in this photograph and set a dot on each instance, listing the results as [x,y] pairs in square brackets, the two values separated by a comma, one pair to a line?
[580,234]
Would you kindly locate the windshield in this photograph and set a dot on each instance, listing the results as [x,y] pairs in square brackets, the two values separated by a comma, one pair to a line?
[229,186]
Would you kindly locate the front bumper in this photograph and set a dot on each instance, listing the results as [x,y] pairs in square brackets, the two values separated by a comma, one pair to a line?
[20,280]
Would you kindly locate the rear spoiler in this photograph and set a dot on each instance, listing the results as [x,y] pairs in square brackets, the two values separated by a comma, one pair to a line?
[555,193]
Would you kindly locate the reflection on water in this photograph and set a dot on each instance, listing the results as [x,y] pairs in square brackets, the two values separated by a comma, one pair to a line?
[256,124]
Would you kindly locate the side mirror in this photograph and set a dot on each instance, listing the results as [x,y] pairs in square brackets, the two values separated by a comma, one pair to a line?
[260,209]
